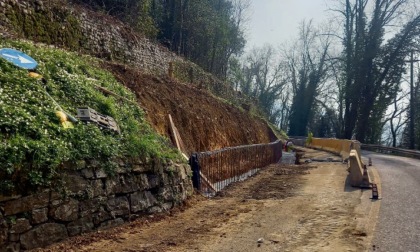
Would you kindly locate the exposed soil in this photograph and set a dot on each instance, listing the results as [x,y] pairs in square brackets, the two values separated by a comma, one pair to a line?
[283,208]
[204,121]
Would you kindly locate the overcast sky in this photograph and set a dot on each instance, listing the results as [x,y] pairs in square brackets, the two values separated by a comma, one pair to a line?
[275,21]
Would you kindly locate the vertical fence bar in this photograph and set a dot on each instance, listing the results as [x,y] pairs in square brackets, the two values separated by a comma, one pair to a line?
[222,167]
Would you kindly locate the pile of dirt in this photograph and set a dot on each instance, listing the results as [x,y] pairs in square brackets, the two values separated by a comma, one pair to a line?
[204,122]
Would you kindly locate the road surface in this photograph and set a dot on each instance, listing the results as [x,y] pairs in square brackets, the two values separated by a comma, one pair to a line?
[398,227]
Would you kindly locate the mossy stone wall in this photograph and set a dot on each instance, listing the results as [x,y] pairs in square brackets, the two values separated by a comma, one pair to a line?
[91,200]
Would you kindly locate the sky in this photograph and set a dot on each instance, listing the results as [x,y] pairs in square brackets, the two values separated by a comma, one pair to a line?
[276,21]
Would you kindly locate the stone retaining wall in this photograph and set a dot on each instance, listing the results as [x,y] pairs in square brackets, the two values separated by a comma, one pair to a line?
[74,28]
[89,199]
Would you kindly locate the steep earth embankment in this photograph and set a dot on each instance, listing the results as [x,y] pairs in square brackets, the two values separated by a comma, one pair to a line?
[204,121]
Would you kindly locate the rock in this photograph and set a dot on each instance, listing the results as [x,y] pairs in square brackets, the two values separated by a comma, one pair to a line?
[14,237]
[143,182]
[261,240]
[11,247]
[80,226]
[155,209]
[139,168]
[101,216]
[182,169]
[90,206]
[39,215]
[75,184]
[68,211]
[167,206]
[111,223]
[166,193]
[100,173]
[26,204]
[153,180]
[20,226]
[140,201]
[87,173]
[96,188]
[7,198]
[3,230]
[43,235]
[112,185]
[128,184]
[121,184]
[118,206]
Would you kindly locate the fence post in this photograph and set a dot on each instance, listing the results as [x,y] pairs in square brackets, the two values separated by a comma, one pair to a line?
[195,167]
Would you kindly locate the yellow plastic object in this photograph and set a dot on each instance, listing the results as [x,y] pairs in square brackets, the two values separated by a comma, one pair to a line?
[63,120]
[35,75]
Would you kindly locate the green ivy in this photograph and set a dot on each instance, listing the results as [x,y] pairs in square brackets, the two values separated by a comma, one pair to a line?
[34,145]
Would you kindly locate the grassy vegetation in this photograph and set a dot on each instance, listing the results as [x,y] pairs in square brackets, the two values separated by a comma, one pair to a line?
[33,143]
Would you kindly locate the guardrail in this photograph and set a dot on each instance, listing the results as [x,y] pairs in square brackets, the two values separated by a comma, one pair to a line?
[391,150]
[214,170]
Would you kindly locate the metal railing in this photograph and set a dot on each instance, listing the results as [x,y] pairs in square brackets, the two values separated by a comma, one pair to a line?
[391,150]
[214,170]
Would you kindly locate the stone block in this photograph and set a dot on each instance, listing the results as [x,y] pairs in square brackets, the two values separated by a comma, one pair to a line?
[111,223]
[139,168]
[140,201]
[143,181]
[67,211]
[167,206]
[153,180]
[11,247]
[13,237]
[182,170]
[90,206]
[7,198]
[123,183]
[80,226]
[96,188]
[101,216]
[43,235]
[39,215]
[87,173]
[75,184]
[3,231]
[166,193]
[112,185]
[128,184]
[21,225]
[26,204]
[100,173]
[118,206]
[155,209]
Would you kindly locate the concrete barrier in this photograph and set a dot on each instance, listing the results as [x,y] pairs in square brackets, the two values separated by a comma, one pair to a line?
[355,169]
[348,150]
[337,146]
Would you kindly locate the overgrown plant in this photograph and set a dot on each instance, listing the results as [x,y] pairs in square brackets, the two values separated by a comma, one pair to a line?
[33,144]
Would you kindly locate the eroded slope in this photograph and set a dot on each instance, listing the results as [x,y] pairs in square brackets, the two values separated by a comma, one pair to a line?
[204,121]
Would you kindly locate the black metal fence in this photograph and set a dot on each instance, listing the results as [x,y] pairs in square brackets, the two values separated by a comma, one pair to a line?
[214,170]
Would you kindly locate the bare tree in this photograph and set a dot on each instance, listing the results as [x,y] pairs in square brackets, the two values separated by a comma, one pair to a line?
[307,71]
[260,78]
[372,69]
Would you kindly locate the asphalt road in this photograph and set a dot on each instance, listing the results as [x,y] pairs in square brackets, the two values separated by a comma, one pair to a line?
[398,227]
